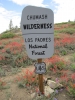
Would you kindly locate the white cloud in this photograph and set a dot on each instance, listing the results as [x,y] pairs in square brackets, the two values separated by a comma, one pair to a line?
[64,11]
[5,17]
[29,2]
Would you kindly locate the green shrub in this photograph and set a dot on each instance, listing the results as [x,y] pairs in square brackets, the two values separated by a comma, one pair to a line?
[3,85]
[74,57]
[1,46]
[22,61]
[2,72]
[72,23]
[19,60]
[57,66]
[73,67]
[68,31]
[7,35]
[15,70]
[60,65]
[63,52]
[8,51]
[6,59]
[56,35]
[56,32]
[71,91]
[70,46]
[28,79]
[61,23]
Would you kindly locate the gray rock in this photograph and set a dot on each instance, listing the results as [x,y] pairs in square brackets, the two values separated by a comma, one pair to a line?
[54,84]
[33,95]
[48,90]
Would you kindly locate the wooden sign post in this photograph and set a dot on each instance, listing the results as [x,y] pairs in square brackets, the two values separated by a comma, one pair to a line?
[40,79]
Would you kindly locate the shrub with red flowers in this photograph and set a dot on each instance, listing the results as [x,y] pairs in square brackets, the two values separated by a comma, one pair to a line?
[71,89]
[28,79]
[14,47]
[22,60]
[13,53]
[73,77]
[64,78]
[65,44]
[56,64]
[2,84]
[68,82]
[2,58]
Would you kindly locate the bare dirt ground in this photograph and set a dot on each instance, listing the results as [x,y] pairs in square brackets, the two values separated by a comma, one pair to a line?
[14,92]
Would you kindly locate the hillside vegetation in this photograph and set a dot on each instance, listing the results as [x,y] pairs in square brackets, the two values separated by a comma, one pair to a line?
[13,58]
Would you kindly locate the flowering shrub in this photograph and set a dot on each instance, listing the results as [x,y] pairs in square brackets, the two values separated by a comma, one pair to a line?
[65,44]
[2,58]
[2,84]
[74,57]
[14,47]
[68,82]
[73,77]
[56,64]
[7,35]
[64,79]
[68,31]
[22,60]
[73,67]
[27,79]
[71,89]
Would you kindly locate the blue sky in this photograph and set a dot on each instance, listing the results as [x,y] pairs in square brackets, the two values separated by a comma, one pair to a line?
[12,6]
[9,5]
[64,10]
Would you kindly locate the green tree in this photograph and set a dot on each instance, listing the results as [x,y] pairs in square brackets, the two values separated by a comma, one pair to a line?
[69,21]
[16,28]
[20,24]
[10,25]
